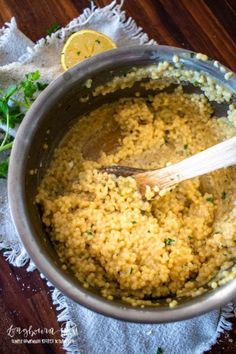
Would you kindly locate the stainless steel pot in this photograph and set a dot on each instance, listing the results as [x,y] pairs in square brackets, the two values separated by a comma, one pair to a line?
[46,122]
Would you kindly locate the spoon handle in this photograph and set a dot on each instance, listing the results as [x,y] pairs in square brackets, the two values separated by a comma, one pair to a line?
[209,160]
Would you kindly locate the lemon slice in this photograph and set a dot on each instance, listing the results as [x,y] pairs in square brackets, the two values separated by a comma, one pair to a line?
[82,45]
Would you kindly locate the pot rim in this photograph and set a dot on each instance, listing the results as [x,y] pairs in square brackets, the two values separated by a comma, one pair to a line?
[16,192]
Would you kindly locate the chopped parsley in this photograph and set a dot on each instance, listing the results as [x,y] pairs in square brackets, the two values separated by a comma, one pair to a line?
[169,241]
[190,237]
[78,53]
[54,28]
[193,279]
[223,195]
[134,222]
[89,232]
[210,199]
[196,83]
[97,41]
[159,350]
[185,146]
[131,270]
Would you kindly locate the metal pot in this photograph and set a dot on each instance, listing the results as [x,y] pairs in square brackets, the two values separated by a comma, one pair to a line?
[50,116]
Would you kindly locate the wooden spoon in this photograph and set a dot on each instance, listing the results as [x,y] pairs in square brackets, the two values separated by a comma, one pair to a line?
[216,157]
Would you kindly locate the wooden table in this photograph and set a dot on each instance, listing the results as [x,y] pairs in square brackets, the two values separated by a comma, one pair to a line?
[204,26]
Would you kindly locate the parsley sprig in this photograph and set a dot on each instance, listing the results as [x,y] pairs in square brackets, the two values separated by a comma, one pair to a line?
[14,103]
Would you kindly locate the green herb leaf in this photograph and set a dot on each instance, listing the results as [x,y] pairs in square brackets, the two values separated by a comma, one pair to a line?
[3,250]
[185,146]
[4,168]
[193,279]
[78,53]
[210,199]
[54,28]
[196,83]
[190,237]
[97,41]
[134,222]
[41,86]
[223,195]
[14,101]
[131,270]
[9,91]
[4,107]
[15,119]
[169,241]
[33,76]
[159,350]
[29,89]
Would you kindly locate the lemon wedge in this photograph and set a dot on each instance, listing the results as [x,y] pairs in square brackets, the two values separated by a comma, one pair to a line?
[82,45]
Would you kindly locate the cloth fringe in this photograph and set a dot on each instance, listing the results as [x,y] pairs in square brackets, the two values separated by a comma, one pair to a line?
[16,255]
[69,332]
[113,9]
[4,31]
[228,311]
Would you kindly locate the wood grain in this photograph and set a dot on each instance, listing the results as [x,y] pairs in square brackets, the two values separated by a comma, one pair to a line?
[25,301]
[207,26]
